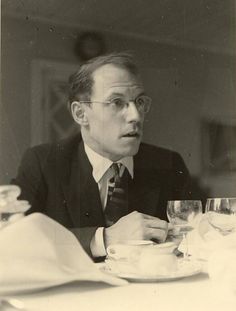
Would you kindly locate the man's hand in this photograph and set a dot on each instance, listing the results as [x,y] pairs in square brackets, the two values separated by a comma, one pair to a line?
[136,226]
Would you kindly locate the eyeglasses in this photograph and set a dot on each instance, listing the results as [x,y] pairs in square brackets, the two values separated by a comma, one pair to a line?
[117,104]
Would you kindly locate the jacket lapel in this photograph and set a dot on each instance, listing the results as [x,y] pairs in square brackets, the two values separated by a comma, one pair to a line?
[144,193]
[80,190]
[65,155]
[91,212]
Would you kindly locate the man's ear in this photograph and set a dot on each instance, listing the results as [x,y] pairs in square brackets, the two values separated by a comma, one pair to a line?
[79,113]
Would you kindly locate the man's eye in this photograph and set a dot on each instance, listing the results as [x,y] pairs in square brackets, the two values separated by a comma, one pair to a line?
[140,101]
[119,102]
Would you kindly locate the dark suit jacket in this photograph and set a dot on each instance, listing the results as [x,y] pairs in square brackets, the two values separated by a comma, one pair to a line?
[57,180]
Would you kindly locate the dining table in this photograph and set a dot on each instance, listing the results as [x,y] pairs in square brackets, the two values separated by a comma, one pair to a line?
[197,292]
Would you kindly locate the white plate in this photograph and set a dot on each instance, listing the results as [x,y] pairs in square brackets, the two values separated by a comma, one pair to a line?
[186,268]
[139,242]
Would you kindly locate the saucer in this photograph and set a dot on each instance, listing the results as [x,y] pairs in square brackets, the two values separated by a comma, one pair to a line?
[185,268]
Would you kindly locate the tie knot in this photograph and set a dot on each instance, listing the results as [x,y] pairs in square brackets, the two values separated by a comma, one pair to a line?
[116,168]
[116,171]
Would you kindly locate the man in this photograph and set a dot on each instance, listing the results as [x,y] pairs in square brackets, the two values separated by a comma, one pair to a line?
[104,184]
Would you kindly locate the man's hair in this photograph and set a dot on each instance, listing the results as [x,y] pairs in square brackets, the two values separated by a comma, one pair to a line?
[81,82]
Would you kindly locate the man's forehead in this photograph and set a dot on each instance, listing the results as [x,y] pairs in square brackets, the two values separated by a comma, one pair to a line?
[123,84]
[111,76]
[114,74]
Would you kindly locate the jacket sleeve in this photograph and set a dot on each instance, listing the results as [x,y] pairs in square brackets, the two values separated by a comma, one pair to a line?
[30,179]
[85,235]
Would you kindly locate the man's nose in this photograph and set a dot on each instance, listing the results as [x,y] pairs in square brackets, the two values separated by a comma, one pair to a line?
[133,114]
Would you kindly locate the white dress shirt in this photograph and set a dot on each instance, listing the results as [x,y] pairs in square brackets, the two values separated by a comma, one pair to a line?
[102,174]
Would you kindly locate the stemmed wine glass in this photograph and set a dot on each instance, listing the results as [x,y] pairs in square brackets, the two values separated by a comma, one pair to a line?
[182,215]
[221,214]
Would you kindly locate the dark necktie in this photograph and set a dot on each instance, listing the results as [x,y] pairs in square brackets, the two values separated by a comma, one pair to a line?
[117,196]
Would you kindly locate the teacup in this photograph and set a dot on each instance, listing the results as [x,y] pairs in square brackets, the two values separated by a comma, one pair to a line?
[130,250]
[158,260]
[142,257]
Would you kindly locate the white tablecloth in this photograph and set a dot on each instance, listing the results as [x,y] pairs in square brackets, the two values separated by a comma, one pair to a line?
[193,293]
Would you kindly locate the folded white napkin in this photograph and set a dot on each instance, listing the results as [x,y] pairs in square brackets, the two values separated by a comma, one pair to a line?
[217,250]
[205,240]
[36,252]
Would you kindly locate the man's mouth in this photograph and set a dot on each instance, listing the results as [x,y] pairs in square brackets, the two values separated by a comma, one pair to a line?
[132,134]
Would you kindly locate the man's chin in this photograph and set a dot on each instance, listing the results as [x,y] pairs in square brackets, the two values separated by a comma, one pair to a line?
[129,151]
[122,150]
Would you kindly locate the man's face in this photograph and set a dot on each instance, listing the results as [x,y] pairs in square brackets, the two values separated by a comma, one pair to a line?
[114,134]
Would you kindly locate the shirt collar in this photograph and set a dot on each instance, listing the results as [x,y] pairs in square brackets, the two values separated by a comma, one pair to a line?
[101,165]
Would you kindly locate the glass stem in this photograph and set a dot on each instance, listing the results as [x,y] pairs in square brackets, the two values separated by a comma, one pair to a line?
[186,246]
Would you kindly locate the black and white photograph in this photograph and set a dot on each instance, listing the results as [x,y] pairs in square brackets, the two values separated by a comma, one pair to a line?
[118,155]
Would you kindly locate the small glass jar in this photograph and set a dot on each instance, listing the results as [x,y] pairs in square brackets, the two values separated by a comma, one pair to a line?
[11,209]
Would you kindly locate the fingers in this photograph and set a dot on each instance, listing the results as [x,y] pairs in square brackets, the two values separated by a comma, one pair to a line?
[160,227]
[155,228]
[146,216]
[137,226]
[156,223]
[156,234]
